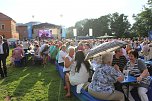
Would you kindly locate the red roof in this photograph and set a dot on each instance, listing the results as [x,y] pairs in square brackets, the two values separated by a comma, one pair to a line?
[3,16]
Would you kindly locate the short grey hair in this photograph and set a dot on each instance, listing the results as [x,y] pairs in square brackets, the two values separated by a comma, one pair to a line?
[107,57]
[71,48]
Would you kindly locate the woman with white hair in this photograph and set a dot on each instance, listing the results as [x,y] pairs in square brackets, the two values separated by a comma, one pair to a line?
[102,85]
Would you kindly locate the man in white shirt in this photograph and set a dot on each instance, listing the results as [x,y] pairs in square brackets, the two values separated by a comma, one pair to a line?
[4,52]
[62,54]
[67,66]
[25,46]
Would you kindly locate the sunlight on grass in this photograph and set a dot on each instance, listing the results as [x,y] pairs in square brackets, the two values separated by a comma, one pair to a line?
[33,83]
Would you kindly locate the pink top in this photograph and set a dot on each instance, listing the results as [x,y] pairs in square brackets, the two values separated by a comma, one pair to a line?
[18,53]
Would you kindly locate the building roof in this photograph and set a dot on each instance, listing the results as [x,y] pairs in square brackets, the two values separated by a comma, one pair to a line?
[3,16]
[46,25]
[20,24]
[33,23]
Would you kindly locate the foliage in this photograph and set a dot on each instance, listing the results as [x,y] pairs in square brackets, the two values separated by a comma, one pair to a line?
[70,32]
[150,3]
[119,24]
[115,23]
[143,20]
[80,26]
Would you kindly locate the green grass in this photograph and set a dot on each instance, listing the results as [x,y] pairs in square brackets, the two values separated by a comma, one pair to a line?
[33,83]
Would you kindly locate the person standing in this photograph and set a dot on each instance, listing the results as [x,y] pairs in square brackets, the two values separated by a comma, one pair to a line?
[62,54]
[4,53]
[25,46]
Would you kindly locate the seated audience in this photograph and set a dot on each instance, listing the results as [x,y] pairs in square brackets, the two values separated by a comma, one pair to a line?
[53,51]
[67,67]
[102,85]
[25,45]
[37,52]
[44,50]
[138,69]
[18,54]
[80,47]
[61,55]
[146,51]
[79,70]
[87,48]
[119,60]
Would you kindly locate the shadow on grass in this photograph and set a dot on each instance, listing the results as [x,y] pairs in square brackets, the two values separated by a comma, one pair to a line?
[56,90]
[15,74]
[34,83]
[25,85]
[21,80]
[44,76]
[53,88]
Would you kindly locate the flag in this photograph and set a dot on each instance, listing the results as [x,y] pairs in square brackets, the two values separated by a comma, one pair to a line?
[63,32]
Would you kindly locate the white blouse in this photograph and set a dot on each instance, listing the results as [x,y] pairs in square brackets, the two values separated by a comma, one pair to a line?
[78,77]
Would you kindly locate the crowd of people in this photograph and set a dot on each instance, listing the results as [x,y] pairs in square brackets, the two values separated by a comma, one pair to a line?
[107,77]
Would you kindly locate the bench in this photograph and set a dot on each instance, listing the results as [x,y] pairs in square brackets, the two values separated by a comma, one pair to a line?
[57,66]
[85,96]
[60,68]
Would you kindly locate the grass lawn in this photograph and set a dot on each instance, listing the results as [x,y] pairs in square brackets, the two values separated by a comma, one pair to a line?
[33,83]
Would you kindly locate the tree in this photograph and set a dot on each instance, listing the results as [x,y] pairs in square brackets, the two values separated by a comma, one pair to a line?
[100,26]
[70,32]
[116,23]
[143,20]
[119,24]
[80,27]
[150,3]
[105,25]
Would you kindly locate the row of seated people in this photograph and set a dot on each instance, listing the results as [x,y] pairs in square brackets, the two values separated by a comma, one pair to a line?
[20,56]
[85,96]
[77,71]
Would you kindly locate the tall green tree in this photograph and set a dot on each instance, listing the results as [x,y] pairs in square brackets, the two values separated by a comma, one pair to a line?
[70,32]
[116,23]
[150,3]
[80,25]
[143,20]
[103,25]
[100,26]
[119,24]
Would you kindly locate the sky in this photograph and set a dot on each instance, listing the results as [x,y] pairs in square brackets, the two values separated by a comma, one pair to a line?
[67,12]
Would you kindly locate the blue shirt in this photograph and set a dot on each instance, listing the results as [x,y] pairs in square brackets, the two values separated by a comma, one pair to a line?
[104,78]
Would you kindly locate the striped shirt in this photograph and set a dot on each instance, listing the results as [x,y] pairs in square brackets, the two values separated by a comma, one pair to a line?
[137,70]
[121,62]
